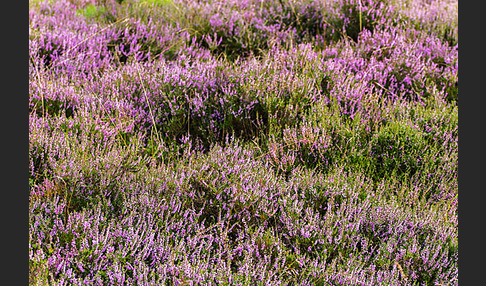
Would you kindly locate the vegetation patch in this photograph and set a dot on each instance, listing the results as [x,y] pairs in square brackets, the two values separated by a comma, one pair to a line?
[243,142]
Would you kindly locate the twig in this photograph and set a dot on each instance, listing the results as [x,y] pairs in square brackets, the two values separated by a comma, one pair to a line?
[401,271]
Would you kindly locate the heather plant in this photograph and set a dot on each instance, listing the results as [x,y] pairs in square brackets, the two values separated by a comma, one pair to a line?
[438,18]
[243,142]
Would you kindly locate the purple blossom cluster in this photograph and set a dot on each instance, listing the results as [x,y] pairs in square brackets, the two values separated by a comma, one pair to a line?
[218,142]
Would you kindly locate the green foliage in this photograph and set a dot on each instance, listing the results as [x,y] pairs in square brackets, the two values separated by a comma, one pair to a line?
[397,150]
[158,2]
[91,11]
